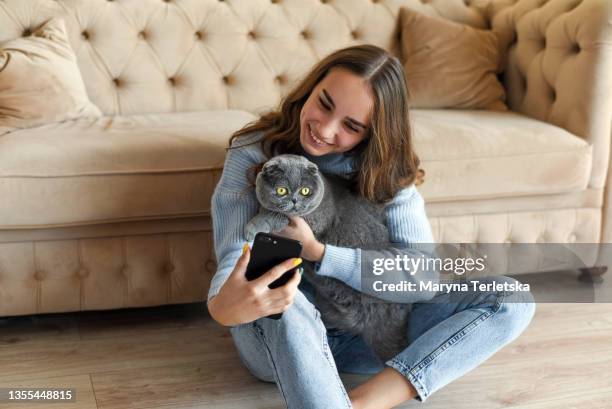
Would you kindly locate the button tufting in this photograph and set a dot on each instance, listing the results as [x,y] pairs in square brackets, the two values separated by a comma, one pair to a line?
[305,34]
[355,34]
[117,82]
[199,35]
[226,79]
[83,272]
[274,1]
[169,267]
[85,35]
[39,275]
[280,79]
[26,32]
[576,48]
[142,35]
[553,94]
[172,81]
[252,35]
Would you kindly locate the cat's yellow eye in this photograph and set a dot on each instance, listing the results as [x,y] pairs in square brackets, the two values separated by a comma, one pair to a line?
[281,191]
[305,191]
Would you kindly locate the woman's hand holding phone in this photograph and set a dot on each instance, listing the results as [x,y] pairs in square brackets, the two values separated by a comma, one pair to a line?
[240,301]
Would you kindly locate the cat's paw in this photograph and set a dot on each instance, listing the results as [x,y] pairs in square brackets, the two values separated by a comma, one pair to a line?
[257,224]
[250,231]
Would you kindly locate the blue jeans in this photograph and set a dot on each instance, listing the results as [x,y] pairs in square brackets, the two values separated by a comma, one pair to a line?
[447,340]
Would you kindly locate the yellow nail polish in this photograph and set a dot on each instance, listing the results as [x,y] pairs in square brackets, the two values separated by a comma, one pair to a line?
[297,261]
[245,248]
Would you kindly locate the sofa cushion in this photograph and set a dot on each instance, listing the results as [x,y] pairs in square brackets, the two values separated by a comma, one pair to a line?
[166,165]
[450,65]
[96,170]
[40,81]
[479,154]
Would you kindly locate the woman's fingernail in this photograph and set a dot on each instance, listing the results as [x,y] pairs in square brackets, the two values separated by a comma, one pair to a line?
[245,248]
[297,261]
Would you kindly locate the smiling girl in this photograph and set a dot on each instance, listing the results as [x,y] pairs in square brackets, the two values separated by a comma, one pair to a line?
[350,116]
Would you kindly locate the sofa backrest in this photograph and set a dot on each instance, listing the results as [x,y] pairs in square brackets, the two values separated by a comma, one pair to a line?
[140,56]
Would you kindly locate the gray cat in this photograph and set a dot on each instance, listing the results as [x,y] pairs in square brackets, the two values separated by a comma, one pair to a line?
[292,185]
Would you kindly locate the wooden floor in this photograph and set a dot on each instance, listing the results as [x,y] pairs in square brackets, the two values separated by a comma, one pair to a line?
[177,357]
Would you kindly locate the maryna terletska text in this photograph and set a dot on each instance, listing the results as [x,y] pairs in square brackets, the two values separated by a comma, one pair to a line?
[475,285]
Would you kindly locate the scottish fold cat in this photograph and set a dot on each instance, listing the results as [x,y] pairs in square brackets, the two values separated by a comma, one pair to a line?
[292,185]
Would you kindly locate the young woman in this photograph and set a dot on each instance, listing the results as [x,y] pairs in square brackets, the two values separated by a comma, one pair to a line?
[350,116]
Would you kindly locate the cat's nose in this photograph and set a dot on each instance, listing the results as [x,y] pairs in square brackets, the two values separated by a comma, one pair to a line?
[294,200]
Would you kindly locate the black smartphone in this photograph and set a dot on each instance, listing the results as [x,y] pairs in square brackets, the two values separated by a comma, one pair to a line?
[268,251]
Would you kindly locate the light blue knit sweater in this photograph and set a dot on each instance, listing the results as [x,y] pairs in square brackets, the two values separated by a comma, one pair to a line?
[234,203]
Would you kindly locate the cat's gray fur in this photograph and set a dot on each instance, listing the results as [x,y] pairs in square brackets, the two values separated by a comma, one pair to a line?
[338,217]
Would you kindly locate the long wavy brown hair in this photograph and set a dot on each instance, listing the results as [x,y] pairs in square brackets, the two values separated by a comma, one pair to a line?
[385,157]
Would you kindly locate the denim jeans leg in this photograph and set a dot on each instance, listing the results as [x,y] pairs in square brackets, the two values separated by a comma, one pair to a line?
[456,332]
[294,353]
[352,354]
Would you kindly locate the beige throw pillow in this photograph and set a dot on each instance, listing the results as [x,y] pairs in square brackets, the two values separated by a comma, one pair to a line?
[450,65]
[40,81]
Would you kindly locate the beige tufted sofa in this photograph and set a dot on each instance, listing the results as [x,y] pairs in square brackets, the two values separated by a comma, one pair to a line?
[114,212]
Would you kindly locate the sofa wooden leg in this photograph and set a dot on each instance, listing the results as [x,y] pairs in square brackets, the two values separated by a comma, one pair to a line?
[592,274]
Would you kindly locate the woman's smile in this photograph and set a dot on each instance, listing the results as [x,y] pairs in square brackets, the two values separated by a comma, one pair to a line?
[317,142]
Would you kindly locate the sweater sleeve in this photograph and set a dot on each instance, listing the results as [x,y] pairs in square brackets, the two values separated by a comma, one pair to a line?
[234,203]
[411,240]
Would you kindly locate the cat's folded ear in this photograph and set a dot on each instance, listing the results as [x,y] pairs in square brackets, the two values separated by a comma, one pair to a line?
[272,170]
[270,167]
[312,168]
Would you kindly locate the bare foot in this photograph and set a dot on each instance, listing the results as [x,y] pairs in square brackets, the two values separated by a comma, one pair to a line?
[384,390]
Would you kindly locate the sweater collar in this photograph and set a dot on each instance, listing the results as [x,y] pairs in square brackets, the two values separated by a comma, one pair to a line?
[333,163]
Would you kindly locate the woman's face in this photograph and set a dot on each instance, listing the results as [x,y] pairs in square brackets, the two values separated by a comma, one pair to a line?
[336,116]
